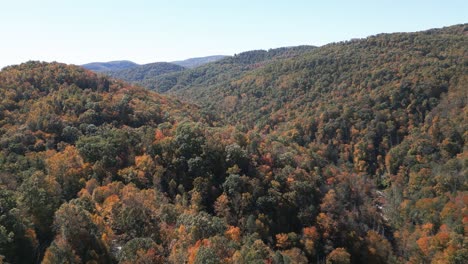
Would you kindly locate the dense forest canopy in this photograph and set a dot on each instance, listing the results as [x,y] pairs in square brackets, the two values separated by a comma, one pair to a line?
[353,152]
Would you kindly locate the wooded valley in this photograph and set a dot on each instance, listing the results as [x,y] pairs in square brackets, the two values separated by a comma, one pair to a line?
[352,152]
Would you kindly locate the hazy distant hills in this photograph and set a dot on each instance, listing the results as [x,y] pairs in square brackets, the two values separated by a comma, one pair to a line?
[143,72]
[119,65]
[109,66]
[195,62]
[164,76]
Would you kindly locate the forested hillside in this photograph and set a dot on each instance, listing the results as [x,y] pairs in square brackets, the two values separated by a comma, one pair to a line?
[221,71]
[390,108]
[353,152]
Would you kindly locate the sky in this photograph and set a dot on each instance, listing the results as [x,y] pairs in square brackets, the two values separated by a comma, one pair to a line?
[82,31]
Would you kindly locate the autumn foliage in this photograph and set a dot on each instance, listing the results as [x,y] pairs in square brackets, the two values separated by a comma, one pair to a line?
[354,152]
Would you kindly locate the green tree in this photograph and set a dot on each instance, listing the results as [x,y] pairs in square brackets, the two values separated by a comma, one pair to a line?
[39,196]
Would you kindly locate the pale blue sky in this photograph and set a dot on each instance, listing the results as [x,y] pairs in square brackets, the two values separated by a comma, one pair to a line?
[81,31]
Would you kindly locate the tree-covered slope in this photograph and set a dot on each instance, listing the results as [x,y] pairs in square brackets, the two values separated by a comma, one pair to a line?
[61,127]
[337,71]
[221,71]
[391,108]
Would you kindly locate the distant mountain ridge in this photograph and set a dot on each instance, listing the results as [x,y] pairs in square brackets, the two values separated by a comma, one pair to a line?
[110,65]
[195,62]
[165,76]
[142,72]
[118,65]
